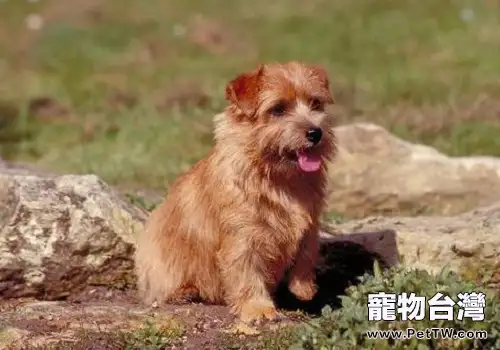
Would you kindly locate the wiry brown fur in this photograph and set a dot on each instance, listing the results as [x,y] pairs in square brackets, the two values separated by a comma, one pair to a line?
[240,218]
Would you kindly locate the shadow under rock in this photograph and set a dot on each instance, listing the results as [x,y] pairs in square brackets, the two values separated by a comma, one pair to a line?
[342,263]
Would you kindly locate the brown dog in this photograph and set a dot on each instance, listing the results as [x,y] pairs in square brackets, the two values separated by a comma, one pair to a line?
[247,213]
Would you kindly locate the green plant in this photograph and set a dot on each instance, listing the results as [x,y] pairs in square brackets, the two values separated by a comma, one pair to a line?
[152,337]
[346,327]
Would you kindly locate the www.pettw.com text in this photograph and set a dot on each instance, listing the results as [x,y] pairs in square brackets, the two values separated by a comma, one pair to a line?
[428,333]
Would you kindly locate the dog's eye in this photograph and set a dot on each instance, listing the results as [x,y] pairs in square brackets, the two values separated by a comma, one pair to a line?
[278,109]
[316,104]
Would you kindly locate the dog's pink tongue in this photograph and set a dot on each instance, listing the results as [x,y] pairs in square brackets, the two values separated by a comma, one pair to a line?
[308,162]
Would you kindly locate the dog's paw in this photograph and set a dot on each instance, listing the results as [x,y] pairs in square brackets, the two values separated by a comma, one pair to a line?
[254,311]
[303,290]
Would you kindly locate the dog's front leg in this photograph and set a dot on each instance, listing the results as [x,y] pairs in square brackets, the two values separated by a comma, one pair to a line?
[247,277]
[302,278]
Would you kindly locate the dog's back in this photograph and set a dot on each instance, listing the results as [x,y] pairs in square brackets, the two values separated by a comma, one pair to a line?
[176,251]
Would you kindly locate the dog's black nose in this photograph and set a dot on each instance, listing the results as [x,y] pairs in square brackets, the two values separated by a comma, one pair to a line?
[314,135]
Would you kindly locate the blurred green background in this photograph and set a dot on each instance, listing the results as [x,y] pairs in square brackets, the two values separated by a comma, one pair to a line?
[126,89]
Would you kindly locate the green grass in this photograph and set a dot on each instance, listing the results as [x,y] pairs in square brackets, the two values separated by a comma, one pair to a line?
[153,337]
[116,67]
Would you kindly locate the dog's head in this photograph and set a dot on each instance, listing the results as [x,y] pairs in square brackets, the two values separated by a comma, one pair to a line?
[280,113]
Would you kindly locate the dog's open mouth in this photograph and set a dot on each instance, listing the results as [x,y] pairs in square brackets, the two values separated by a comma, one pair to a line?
[306,160]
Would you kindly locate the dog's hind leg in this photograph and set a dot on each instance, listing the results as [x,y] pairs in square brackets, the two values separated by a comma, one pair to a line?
[156,279]
[208,280]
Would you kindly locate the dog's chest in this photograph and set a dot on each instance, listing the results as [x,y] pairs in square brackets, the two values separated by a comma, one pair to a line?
[288,224]
[287,214]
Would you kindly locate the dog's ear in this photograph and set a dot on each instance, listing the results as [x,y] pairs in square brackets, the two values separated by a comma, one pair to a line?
[321,73]
[243,91]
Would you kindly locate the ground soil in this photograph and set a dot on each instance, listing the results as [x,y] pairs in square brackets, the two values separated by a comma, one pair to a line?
[93,317]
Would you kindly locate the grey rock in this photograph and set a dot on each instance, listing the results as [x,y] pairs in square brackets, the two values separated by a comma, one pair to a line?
[377,173]
[463,241]
[60,233]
